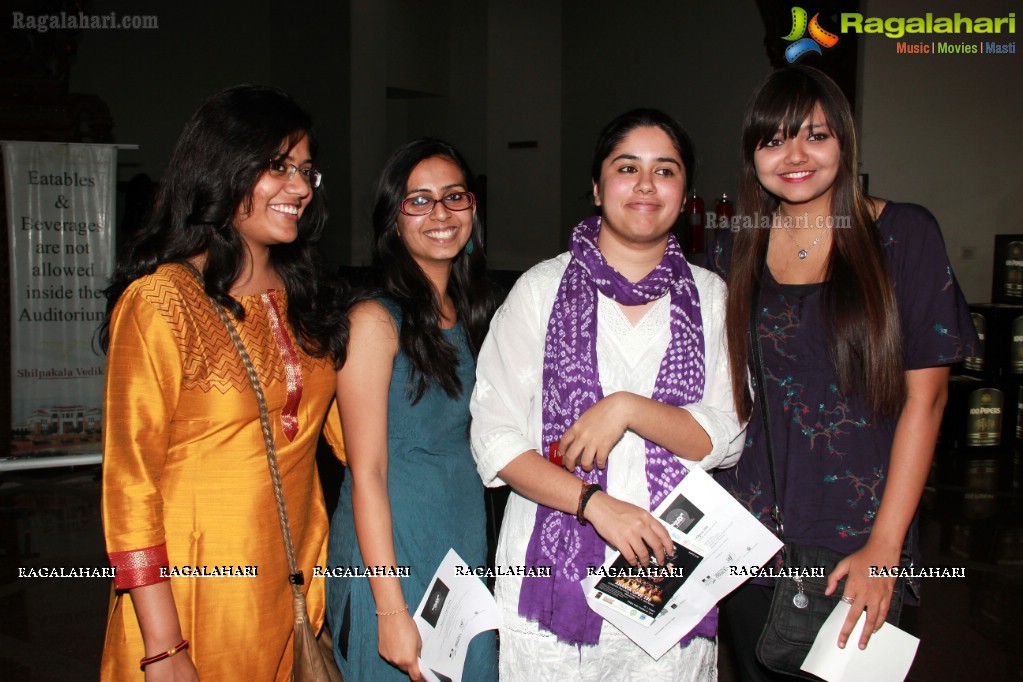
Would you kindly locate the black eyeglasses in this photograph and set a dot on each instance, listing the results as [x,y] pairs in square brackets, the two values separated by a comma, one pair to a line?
[422,205]
[280,168]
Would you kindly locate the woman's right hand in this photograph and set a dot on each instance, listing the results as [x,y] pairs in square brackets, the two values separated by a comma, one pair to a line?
[589,441]
[177,668]
[631,530]
[400,643]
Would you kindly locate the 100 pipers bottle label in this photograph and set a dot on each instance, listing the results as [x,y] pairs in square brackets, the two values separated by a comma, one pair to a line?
[984,425]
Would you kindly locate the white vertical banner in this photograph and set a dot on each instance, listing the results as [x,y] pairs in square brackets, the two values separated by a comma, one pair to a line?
[60,217]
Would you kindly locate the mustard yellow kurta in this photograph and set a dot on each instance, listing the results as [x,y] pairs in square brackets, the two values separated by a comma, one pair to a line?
[185,471]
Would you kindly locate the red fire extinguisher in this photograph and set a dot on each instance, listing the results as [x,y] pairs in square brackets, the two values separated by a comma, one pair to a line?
[695,223]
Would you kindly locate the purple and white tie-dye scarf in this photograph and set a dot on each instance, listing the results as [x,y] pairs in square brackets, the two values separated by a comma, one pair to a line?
[570,386]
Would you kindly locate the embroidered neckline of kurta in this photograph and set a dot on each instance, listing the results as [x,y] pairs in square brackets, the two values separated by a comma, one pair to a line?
[292,366]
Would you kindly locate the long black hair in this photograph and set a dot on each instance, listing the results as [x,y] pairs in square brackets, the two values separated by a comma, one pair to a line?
[862,321]
[223,151]
[433,358]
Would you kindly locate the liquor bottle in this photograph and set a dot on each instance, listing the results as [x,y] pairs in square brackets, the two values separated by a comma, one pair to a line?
[984,424]
[695,223]
[976,362]
[725,212]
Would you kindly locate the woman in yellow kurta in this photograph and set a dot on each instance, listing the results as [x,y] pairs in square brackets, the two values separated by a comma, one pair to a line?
[189,514]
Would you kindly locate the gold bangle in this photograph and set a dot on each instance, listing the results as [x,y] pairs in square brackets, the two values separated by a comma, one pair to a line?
[394,612]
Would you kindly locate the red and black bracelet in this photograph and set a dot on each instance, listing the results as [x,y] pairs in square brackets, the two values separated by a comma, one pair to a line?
[164,654]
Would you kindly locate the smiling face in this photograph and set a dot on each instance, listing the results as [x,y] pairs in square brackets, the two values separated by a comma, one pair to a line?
[276,203]
[641,188]
[801,170]
[438,236]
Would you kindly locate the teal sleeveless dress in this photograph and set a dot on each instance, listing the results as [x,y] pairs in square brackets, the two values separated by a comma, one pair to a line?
[436,504]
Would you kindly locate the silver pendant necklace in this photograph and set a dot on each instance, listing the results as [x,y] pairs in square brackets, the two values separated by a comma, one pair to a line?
[802,252]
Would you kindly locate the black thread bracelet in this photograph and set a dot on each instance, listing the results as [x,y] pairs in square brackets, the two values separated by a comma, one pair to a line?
[588,492]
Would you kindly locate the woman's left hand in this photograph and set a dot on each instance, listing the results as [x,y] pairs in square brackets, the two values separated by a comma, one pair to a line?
[873,593]
[589,441]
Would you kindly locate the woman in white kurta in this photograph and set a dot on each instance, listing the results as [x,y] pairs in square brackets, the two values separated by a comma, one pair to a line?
[640,168]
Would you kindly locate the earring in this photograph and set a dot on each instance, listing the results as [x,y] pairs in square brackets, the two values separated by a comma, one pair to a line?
[469,248]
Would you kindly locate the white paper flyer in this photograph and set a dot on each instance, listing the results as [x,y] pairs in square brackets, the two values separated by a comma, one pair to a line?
[456,607]
[718,545]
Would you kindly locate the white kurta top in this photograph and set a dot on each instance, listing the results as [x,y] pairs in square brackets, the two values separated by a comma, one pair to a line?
[507,417]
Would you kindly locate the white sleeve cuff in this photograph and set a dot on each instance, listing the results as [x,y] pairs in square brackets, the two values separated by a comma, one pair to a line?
[496,453]
[726,436]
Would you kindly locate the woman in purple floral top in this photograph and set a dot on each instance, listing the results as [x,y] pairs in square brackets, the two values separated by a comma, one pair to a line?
[859,316]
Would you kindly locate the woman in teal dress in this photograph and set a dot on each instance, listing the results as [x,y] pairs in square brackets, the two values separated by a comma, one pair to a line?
[411,492]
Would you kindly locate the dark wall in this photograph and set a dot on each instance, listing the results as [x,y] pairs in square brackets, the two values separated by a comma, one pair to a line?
[153,80]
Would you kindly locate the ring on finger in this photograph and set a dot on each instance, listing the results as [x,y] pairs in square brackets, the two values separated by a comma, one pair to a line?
[847,599]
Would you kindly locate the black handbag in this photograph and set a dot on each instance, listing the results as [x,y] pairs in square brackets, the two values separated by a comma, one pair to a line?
[799,606]
[790,629]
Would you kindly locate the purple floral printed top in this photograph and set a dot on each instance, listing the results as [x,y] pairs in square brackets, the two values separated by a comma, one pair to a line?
[831,454]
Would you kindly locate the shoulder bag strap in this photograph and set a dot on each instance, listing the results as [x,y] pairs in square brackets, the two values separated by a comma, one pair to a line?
[295,575]
[760,397]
